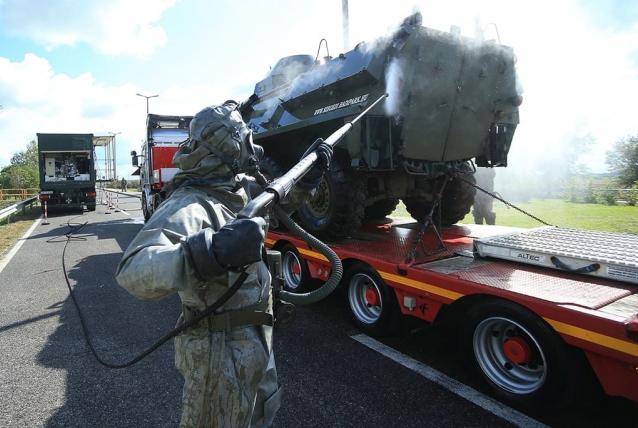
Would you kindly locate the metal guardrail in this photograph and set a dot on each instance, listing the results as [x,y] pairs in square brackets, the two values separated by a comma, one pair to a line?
[7,212]
[18,194]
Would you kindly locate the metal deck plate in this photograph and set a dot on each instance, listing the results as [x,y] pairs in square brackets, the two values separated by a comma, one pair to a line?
[615,254]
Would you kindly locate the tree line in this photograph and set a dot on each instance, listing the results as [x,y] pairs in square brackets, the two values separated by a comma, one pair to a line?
[622,160]
[22,171]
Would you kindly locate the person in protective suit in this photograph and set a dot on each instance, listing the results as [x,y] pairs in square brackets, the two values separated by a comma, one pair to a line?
[483,203]
[194,246]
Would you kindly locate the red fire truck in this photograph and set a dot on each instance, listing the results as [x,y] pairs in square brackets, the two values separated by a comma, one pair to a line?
[534,310]
[163,135]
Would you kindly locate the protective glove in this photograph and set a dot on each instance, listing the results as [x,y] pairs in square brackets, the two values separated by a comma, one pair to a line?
[237,244]
[324,157]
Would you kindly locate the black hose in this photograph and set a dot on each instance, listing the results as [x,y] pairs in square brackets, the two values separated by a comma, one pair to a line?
[74,228]
[337,268]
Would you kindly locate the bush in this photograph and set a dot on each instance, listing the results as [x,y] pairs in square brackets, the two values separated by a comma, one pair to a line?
[590,195]
[607,197]
[631,195]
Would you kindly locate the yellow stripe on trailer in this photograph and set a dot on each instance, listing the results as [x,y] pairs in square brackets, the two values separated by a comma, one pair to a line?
[423,286]
[593,337]
[567,329]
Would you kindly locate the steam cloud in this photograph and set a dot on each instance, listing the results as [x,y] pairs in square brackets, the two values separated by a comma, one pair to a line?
[393,80]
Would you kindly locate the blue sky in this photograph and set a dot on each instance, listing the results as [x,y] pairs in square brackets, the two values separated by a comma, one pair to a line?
[75,66]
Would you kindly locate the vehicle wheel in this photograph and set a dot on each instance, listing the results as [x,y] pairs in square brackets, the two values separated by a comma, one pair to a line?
[518,356]
[90,207]
[456,202]
[145,212]
[373,305]
[156,202]
[295,270]
[336,208]
[270,168]
[381,209]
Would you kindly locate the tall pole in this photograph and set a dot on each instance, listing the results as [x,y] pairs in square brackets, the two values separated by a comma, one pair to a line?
[147,98]
[346,25]
[113,155]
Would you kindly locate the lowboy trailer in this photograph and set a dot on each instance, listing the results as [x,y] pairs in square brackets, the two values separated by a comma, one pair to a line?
[530,333]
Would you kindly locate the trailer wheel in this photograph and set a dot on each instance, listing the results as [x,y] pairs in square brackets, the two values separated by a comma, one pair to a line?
[372,303]
[518,356]
[294,269]
[380,209]
[336,208]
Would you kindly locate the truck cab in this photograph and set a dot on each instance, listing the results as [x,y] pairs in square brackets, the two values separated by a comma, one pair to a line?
[163,137]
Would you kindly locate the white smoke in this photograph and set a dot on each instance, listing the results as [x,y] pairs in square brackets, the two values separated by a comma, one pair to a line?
[393,84]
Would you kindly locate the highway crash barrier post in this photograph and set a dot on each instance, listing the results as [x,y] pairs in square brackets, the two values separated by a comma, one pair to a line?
[46,214]
[108,203]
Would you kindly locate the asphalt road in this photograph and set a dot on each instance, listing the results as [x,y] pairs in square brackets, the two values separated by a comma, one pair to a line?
[49,377]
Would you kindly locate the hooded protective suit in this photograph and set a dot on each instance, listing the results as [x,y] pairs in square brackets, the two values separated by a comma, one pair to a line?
[227,361]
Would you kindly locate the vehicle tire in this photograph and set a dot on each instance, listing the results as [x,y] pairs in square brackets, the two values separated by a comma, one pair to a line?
[156,202]
[418,208]
[145,212]
[373,305]
[456,202]
[270,168]
[518,356]
[381,209]
[336,208]
[294,270]
[90,207]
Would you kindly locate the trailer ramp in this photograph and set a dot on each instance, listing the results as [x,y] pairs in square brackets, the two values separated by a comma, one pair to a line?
[601,254]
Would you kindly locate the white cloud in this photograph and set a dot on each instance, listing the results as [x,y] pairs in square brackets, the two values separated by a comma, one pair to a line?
[37,99]
[116,27]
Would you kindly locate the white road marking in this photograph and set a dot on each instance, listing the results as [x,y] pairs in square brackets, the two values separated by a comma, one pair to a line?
[5,261]
[124,212]
[452,385]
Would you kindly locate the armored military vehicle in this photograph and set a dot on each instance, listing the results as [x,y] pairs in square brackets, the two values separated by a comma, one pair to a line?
[453,103]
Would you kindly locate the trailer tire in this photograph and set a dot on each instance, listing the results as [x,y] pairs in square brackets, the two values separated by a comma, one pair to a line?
[518,356]
[294,270]
[381,209]
[337,206]
[373,305]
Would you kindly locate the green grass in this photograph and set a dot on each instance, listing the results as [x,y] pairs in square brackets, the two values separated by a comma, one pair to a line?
[561,213]
[10,232]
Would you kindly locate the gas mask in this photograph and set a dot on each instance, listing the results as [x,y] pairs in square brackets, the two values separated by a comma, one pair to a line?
[221,131]
[250,153]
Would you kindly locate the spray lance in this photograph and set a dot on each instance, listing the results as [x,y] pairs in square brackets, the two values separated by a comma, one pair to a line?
[279,188]
[259,206]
